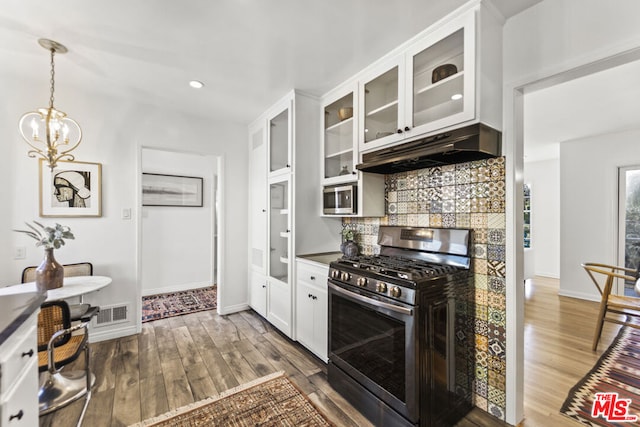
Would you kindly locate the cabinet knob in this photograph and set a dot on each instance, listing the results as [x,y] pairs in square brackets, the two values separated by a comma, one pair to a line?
[314,297]
[407,128]
[399,131]
[264,286]
[264,210]
[312,277]
[288,165]
[27,353]
[18,415]
[354,173]
[309,296]
[288,231]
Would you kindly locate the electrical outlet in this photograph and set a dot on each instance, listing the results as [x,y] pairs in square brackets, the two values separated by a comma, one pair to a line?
[20,252]
[126,213]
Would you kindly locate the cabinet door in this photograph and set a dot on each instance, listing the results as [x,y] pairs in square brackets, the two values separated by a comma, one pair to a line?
[440,76]
[258,198]
[305,314]
[279,306]
[340,137]
[280,138]
[279,229]
[258,293]
[381,106]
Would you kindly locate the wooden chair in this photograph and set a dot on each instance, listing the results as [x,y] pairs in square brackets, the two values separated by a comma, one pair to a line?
[59,344]
[626,308]
[82,311]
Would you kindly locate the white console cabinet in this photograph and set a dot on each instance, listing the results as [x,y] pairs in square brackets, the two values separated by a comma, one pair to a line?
[19,377]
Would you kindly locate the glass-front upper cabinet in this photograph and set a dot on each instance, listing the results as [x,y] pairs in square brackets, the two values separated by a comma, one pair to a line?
[428,87]
[280,140]
[339,138]
[279,230]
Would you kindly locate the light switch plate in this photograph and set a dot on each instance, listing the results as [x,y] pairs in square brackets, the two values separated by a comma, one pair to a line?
[126,213]
[20,252]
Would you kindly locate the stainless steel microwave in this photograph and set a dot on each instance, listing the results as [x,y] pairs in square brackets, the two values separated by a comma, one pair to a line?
[340,200]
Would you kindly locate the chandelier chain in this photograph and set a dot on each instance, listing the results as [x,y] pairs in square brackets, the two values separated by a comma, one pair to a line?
[53,76]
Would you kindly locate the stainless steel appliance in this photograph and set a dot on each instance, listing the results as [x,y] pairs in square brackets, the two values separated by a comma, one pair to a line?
[473,142]
[340,200]
[399,328]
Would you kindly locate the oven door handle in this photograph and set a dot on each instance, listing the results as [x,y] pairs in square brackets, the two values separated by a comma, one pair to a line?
[370,301]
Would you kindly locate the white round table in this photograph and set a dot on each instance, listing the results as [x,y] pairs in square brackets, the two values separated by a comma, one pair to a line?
[72,287]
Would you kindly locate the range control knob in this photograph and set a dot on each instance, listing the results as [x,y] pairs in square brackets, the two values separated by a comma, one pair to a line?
[345,276]
[396,292]
[381,287]
[362,281]
[335,274]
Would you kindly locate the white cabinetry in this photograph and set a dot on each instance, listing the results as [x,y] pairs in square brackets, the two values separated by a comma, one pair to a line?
[438,80]
[19,377]
[340,152]
[287,189]
[311,306]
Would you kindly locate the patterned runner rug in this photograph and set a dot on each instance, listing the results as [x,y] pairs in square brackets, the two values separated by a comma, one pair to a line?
[171,304]
[270,401]
[617,371]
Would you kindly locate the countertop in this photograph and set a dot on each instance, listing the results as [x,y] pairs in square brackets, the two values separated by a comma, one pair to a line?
[15,309]
[322,258]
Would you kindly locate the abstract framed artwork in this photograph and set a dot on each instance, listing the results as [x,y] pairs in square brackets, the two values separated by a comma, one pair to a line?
[171,190]
[72,189]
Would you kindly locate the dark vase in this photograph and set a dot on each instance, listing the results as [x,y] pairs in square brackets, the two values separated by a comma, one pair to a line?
[50,273]
[349,248]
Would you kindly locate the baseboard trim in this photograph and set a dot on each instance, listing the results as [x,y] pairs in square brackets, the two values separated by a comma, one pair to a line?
[97,335]
[579,295]
[175,288]
[549,275]
[232,309]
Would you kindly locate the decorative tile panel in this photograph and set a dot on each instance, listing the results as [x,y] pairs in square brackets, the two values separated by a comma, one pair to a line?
[467,195]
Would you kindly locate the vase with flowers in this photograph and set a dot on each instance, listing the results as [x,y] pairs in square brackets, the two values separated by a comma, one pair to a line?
[349,247]
[49,274]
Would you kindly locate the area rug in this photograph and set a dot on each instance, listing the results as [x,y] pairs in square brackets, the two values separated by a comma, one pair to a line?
[617,371]
[268,401]
[171,304]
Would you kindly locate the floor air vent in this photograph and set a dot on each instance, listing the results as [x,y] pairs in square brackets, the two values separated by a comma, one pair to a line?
[109,315]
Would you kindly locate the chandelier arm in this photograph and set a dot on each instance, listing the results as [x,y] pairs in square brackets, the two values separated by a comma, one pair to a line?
[34,153]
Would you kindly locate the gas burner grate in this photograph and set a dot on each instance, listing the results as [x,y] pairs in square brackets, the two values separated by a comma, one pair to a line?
[400,267]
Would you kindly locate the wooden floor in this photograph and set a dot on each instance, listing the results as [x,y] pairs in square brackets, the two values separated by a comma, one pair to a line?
[176,361]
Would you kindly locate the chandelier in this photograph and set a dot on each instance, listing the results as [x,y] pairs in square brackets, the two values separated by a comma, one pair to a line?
[49,132]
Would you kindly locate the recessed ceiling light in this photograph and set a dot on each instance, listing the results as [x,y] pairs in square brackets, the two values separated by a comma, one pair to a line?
[196,84]
[456,96]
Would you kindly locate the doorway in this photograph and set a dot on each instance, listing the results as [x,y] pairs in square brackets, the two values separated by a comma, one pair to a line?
[629,223]
[179,243]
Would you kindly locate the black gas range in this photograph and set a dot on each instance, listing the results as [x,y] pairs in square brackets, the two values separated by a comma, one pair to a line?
[398,338]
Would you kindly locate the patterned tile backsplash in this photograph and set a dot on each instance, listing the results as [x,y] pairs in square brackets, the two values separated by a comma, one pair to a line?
[467,195]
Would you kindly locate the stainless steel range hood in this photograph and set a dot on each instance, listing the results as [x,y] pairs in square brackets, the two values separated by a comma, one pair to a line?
[473,142]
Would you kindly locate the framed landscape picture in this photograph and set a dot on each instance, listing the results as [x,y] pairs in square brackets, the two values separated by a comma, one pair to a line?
[171,190]
[72,189]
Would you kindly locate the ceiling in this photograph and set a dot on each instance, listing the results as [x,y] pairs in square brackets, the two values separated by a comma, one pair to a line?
[248,53]
[600,103]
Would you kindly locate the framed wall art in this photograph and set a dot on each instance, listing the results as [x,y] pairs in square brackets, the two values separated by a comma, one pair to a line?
[72,189]
[171,190]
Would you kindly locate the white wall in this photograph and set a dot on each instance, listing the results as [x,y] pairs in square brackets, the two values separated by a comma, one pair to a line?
[114,130]
[589,204]
[550,38]
[177,250]
[544,179]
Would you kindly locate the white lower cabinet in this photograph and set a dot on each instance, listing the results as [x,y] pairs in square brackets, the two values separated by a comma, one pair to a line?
[19,377]
[279,306]
[312,306]
[258,293]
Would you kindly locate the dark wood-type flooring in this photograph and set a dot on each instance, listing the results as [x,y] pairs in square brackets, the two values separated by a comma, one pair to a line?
[177,361]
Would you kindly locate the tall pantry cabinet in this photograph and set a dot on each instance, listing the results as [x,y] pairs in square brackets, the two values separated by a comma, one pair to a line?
[284,204]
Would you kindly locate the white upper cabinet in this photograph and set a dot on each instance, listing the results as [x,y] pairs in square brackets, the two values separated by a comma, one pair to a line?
[340,140]
[280,139]
[432,82]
